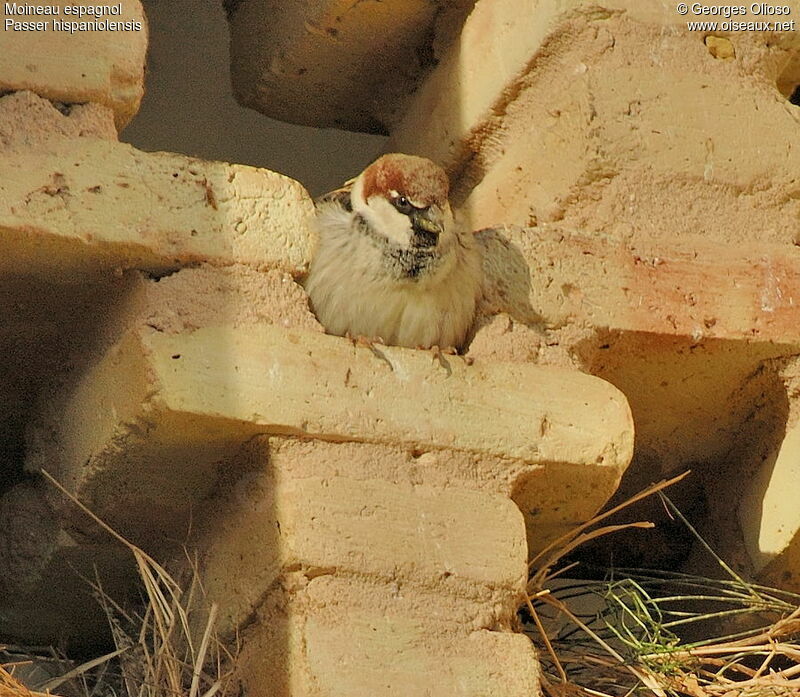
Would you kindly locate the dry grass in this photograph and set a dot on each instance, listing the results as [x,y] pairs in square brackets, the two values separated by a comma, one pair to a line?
[162,651]
[11,687]
[630,641]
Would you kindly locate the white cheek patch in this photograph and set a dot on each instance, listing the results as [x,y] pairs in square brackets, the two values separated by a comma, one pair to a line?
[386,220]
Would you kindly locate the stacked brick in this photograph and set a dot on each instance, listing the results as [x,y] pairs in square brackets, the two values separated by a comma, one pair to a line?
[362,519]
[646,178]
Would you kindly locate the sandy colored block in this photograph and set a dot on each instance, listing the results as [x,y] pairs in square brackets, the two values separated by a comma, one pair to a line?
[572,117]
[395,643]
[204,296]
[480,73]
[677,325]
[385,657]
[693,287]
[334,63]
[42,325]
[51,332]
[318,385]
[462,542]
[138,466]
[190,399]
[606,155]
[384,506]
[508,46]
[78,205]
[620,123]
[109,412]
[105,66]
[416,532]
[770,516]
[553,497]
[27,121]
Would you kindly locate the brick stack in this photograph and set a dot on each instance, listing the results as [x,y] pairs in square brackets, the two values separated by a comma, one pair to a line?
[363,518]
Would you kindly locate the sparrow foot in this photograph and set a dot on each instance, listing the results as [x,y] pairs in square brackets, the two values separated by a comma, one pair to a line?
[369,342]
[364,341]
[437,351]
[439,354]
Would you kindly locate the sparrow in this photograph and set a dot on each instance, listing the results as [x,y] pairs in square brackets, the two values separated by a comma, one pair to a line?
[391,266]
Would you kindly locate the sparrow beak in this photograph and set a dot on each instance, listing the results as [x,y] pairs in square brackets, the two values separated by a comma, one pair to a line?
[426,229]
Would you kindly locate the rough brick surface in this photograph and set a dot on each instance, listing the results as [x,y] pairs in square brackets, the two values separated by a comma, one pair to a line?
[291,512]
[571,119]
[190,368]
[676,325]
[52,333]
[196,395]
[167,210]
[397,642]
[112,396]
[27,120]
[478,76]
[103,67]
[693,288]
[197,364]
[333,63]
[767,496]
[320,386]
[77,210]
[620,123]
[409,533]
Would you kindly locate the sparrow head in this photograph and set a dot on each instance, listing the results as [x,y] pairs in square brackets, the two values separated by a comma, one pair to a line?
[405,199]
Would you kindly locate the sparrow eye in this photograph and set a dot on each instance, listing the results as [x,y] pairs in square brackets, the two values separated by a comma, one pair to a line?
[403,205]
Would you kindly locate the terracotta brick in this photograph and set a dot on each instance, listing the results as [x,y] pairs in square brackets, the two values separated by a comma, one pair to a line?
[693,288]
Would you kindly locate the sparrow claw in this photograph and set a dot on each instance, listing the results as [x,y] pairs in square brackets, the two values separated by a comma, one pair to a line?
[438,354]
[362,341]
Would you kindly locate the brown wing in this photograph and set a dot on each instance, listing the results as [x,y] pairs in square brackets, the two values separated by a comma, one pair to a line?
[340,196]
